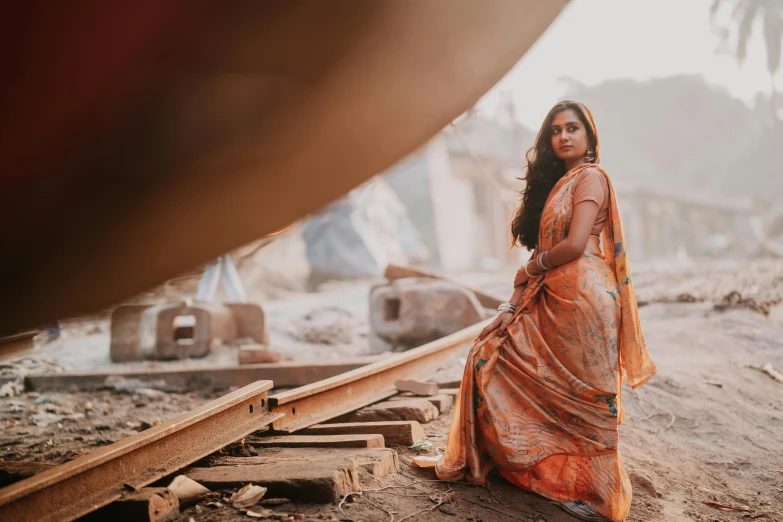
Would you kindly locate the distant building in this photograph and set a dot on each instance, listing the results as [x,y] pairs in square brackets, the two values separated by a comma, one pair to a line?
[460,191]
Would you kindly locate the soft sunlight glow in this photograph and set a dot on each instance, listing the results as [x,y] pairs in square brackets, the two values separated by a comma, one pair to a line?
[597,40]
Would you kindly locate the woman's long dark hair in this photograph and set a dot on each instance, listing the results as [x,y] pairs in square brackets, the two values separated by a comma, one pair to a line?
[544,170]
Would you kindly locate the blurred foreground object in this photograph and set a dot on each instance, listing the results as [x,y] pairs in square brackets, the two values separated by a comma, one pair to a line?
[141,139]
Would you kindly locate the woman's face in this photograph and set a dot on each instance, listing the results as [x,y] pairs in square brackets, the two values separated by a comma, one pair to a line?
[569,136]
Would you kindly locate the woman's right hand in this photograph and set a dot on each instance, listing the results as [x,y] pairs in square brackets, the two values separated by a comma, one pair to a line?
[521,278]
[500,322]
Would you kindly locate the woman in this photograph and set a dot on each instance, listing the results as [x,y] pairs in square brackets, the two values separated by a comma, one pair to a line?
[540,396]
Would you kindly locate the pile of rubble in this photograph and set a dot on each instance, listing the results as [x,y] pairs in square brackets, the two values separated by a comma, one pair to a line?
[756,285]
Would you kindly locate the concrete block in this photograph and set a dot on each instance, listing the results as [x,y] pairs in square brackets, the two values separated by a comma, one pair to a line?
[412,312]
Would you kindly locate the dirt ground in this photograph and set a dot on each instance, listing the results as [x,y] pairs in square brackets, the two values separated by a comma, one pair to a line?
[707,428]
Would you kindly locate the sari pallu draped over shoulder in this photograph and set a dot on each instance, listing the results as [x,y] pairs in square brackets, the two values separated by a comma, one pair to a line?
[541,401]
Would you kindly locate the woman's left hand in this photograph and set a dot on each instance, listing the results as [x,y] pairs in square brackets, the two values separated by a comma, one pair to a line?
[498,325]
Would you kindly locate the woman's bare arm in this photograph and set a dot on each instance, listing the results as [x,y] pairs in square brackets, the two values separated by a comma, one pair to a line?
[582,223]
[517,295]
[572,246]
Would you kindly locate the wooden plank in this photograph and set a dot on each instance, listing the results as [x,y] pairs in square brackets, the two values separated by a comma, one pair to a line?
[378,462]
[410,409]
[449,384]
[400,433]
[394,272]
[365,440]
[287,373]
[442,401]
[317,475]
[420,388]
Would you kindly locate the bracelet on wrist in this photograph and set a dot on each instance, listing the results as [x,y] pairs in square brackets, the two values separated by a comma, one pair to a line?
[531,276]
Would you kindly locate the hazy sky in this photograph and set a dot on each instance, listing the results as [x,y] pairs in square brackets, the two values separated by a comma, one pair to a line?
[597,40]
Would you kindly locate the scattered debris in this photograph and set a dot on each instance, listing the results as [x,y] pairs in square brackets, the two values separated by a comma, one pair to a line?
[330,325]
[679,298]
[644,482]
[187,490]
[150,393]
[256,353]
[44,419]
[767,368]
[247,496]
[724,507]
[275,501]
[12,389]
[422,445]
[688,298]
[734,300]
[26,365]
[425,461]
[147,424]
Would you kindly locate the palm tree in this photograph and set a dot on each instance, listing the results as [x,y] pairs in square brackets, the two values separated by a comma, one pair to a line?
[746,12]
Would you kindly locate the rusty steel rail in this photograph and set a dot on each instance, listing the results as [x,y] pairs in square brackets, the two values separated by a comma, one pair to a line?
[87,483]
[330,398]
[76,488]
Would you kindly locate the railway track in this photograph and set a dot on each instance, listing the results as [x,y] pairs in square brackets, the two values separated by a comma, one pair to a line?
[81,486]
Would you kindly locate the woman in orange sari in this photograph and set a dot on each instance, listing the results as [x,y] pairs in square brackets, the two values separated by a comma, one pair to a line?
[540,396]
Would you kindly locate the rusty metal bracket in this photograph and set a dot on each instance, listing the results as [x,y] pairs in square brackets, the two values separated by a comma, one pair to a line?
[330,398]
[76,488]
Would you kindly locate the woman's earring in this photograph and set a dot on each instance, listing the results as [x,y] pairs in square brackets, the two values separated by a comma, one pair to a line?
[590,155]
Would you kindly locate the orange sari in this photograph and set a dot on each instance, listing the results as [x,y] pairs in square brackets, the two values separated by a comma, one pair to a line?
[541,400]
